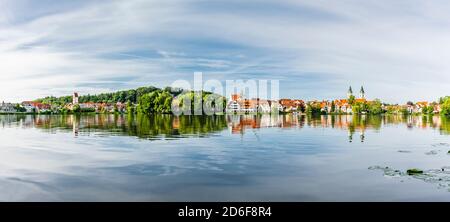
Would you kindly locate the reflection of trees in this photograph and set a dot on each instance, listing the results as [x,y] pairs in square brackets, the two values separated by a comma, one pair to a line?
[445,125]
[149,126]
[169,125]
[143,126]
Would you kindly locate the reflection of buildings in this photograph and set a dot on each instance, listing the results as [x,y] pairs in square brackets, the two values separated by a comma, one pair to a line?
[75,125]
[167,125]
[238,123]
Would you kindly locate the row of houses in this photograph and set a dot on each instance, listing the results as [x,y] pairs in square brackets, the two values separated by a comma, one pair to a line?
[27,106]
[420,106]
[7,107]
[36,107]
[97,107]
[238,104]
[338,105]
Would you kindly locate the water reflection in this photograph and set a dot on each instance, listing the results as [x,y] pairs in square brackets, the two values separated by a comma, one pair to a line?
[354,124]
[169,126]
[238,158]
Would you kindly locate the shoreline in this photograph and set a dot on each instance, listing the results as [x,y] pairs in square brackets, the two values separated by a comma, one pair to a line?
[221,114]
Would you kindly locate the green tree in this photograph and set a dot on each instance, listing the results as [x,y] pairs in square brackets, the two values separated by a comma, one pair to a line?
[76,108]
[376,107]
[351,99]
[445,106]
[312,108]
[443,99]
[130,107]
[155,102]
[404,111]
[20,109]
[360,107]
[428,110]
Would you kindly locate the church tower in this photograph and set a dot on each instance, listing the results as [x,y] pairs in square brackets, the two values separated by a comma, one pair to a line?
[349,92]
[75,98]
[361,93]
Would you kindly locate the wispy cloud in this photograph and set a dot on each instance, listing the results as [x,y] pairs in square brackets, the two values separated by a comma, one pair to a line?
[397,50]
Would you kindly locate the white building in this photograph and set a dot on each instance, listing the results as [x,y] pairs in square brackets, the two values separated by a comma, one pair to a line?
[233,106]
[29,107]
[7,108]
[264,106]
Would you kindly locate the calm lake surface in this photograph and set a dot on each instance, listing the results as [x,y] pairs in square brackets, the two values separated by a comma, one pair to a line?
[223,158]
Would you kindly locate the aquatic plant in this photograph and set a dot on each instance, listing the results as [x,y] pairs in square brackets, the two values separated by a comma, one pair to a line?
[414,171]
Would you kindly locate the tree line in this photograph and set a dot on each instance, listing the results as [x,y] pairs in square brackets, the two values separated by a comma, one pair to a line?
[146,100]
[124,96]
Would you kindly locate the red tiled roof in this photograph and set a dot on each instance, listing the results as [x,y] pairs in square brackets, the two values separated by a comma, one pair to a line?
[235,97]
[422,104]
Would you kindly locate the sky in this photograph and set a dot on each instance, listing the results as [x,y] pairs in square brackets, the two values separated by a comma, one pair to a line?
[398,50]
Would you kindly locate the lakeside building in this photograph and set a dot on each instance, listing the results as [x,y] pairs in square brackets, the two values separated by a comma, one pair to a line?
[292,105]
[237,104]
[414,108]
[31,107]
[97,107]
[343,105]
[418,107]
[7,107]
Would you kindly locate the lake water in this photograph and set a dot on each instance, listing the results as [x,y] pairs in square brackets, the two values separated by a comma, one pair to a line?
[224,158]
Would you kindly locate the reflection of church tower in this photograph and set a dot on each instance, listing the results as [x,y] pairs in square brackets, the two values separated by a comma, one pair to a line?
[350,92]
[361,93]
[361,135]
[75,125]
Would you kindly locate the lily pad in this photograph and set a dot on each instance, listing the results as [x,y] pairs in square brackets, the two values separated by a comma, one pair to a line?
[440,176]
[387,171]
[414,171]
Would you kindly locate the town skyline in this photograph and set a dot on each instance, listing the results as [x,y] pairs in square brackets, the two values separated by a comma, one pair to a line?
[342,95]
[178,101]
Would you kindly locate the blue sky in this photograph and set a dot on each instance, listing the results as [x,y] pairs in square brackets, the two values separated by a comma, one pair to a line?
[398,50]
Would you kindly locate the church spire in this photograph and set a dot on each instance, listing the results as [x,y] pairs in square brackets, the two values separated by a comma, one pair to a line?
[349,92]
[362,93]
